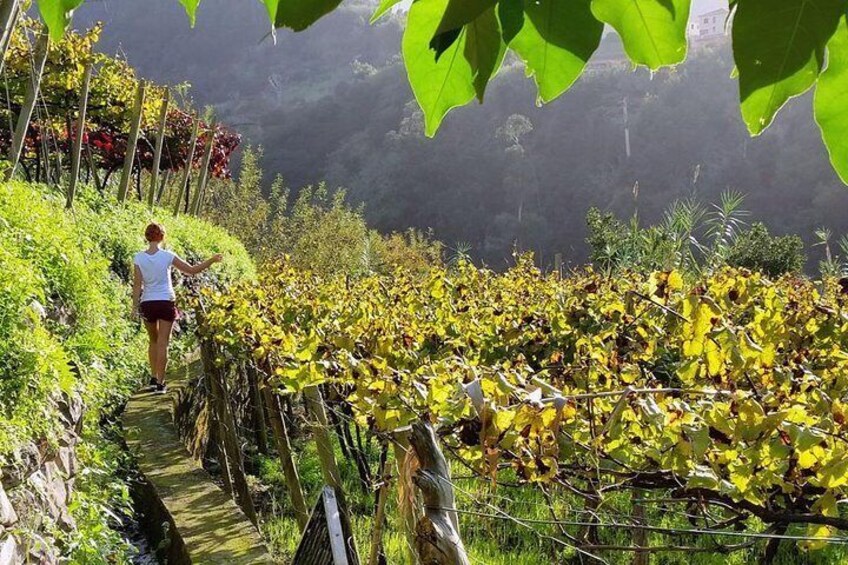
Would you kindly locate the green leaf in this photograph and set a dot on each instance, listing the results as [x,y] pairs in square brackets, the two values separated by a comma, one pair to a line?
[383,8]
[271,6]
[300,14]
[779,50]
[456,15]
[191,9]
[461,72]
[556,41]
[484,49]
[57,15]
[831,114]
[511,16]
[653,31]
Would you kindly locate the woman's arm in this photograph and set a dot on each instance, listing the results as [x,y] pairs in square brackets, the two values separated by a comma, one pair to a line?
[199,268]
[136,290]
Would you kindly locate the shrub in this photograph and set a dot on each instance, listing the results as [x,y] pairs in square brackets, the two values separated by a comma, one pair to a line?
[757,250]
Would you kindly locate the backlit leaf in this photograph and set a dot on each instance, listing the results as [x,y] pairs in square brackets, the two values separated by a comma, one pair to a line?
[653,31]
[461,72]
[779,48]
[57,15]
[831,114]
[557,39]
[383,9]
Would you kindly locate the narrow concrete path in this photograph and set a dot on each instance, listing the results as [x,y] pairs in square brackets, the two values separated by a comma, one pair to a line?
[211,526]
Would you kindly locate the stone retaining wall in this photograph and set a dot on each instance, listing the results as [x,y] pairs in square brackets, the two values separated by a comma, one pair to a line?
[35,492]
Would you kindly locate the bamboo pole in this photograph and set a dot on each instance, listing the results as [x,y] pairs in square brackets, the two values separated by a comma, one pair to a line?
[10,11]
[160,143]
[204,170]
[132,142]
[76,154]
[41,48]
[183,186]
[284,451]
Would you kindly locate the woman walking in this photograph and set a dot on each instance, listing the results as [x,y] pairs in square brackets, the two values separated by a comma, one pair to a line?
[153,297]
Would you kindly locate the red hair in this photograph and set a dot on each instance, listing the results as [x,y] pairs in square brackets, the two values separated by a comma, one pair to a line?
[154,233]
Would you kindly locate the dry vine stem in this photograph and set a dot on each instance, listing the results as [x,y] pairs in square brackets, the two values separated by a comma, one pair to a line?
[437,538]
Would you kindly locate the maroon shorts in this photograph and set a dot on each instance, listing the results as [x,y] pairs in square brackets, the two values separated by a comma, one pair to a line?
[154,310]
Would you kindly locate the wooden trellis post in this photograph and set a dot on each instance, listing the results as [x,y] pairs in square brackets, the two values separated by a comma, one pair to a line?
[258,409]
[226,428]
[132,142]
[41,47]
[160,143]
[329,468]
[284,451]
[76,154]
[10,11]
[183,186]
[380,511]
[204,169]
[437,533]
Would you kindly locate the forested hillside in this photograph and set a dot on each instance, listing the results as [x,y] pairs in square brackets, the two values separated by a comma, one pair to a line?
[333,104]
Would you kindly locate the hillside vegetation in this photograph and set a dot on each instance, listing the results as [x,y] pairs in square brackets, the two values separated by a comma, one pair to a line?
[66,330]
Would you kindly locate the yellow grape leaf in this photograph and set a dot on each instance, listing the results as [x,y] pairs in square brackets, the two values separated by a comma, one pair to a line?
[834,474]
[504,419]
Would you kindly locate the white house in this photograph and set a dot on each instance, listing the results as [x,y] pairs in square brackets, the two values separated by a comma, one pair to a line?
[708,26]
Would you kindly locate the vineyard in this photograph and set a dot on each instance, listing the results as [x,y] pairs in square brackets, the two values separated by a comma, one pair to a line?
[717,399]
[367,397]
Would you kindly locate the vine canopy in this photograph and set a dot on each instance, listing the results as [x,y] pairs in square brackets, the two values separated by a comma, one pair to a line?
[453,48]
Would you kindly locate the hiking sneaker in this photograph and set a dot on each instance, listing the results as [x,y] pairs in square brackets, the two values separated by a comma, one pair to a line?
[153,383]
[160,388]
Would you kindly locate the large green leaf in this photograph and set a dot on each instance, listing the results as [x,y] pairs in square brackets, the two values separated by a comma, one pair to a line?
[557,39]
[191,9]
[461,72]
[830,101]
[779,50]
[383,8]
[57,15]
[653,31]
[300,14]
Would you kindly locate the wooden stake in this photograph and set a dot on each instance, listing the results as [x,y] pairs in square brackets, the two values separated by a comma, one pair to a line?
[183,186]
[10,11]
[160,143]
[329,468]
[132,142]
[380,515]
[41,48]
[76,153]
[437,540]
[258,409]
[204,170]
[284,451]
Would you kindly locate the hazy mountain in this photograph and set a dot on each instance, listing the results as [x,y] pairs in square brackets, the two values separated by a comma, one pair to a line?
[333,103]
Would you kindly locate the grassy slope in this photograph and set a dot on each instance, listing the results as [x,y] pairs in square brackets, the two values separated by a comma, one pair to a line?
[65,327]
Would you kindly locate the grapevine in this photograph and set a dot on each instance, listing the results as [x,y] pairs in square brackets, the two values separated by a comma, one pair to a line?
[729,389]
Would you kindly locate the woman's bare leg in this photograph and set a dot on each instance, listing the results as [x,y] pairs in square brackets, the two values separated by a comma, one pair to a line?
[162,349]
[153,334]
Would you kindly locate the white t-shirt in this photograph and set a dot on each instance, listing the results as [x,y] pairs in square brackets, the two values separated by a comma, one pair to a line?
[156,275]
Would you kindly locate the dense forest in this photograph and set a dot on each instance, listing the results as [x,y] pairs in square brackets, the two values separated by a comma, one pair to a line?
[327,102]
